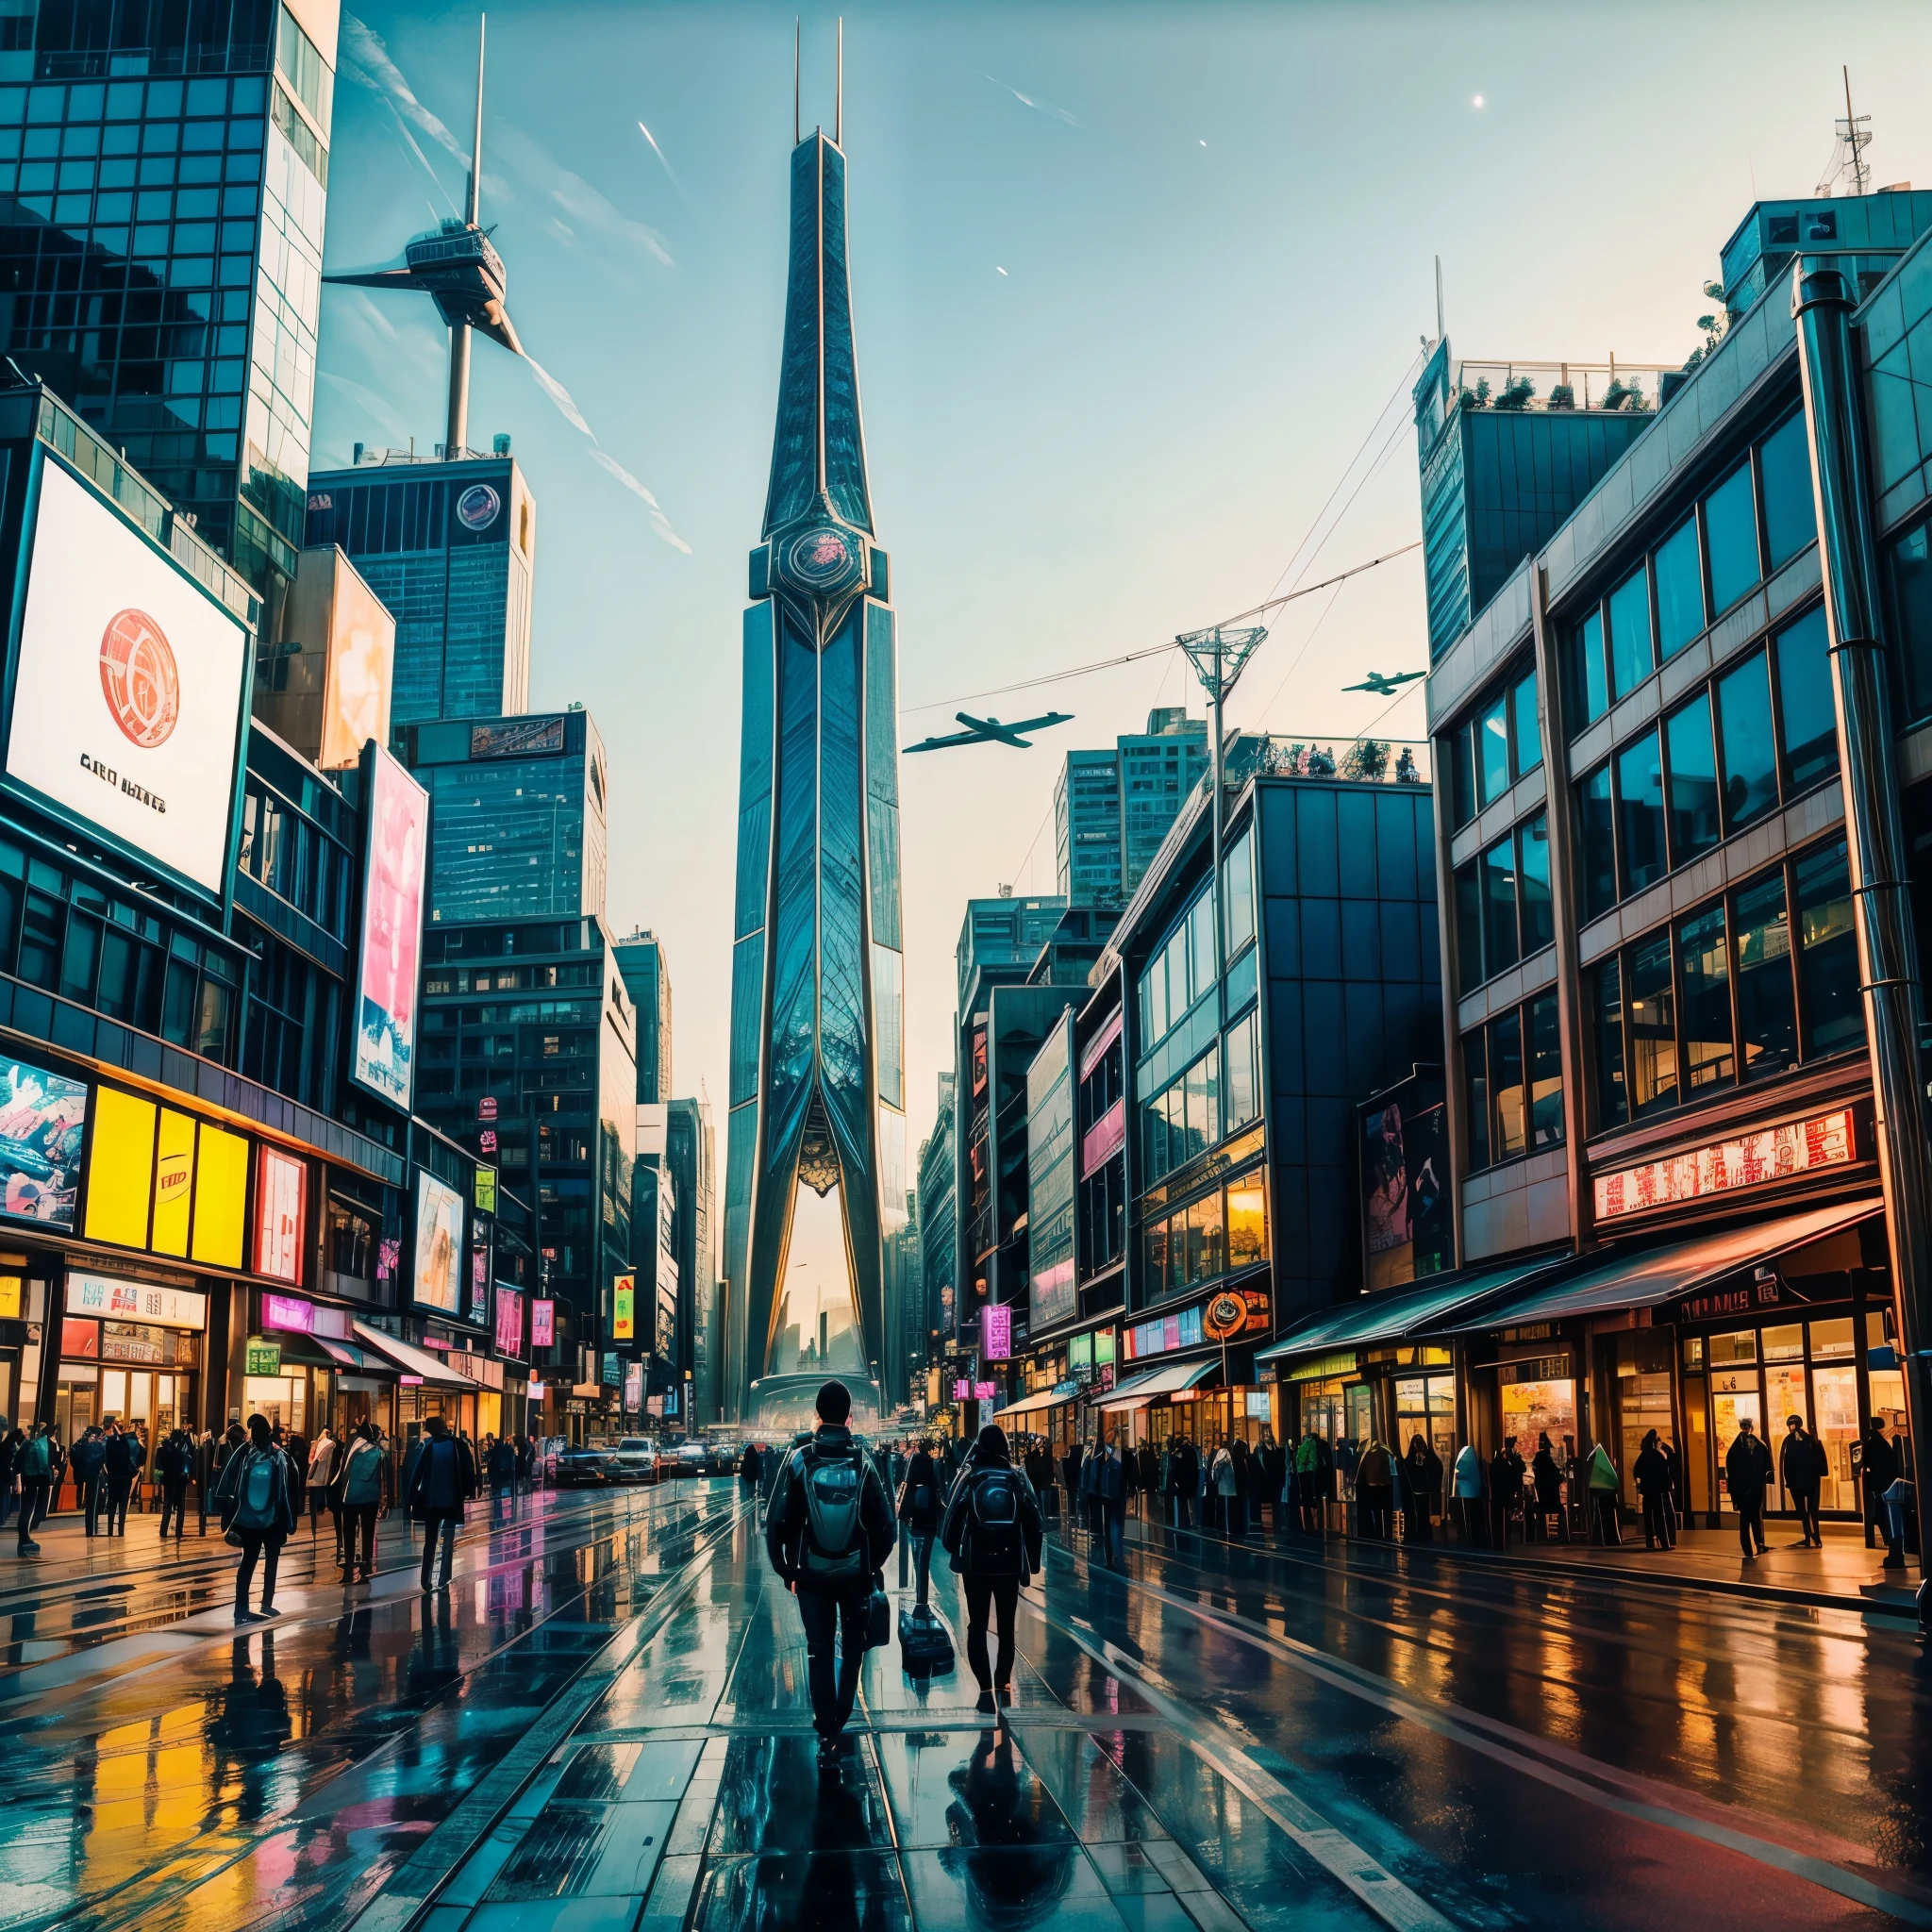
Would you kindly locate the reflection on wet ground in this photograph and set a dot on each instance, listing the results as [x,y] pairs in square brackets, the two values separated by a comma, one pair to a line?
[603,1727]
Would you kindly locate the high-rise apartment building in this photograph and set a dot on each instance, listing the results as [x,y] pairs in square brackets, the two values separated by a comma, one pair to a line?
[691,1155]
[517,826]
[1113,808]
[451,549]
[647,980]
[165,175]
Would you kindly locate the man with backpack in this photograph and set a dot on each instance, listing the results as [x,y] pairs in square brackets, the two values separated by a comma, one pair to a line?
[920,1506]
[33,1463]
[828,1531]
[993,1534]
[86,1463]
[120,1469]
[256,1499]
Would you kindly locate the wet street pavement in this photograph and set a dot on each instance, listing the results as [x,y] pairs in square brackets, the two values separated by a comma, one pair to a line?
[603,1727]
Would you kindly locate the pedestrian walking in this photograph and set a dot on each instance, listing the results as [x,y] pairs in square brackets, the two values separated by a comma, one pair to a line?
[1546,1477]
[500,1467]
[1147,1468]
[321,1468]
[1375,1489]
[441,1483]
[921,1509]
[993,1534]
[361,1496]
[750,1472]
[1070,1474]
[205,1451]
[1803,1466]
[173,1464]
[1270,1481]
[1224,1480]
[1602,1483]
[1422,1485]
[1748,1473]
[1878,1469]
[1187,1481]
[34,1466]
[258,1511]
[86,1463]
[1467,1480]
[828,1531]
[295,1445]
[122,1459]
[1307,1488]
[1506,1491]
[1653,1476]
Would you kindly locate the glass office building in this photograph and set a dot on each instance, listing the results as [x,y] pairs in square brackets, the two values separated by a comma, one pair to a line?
[450,550]
[163,182]
[1113,808]
[517,820]
[647,980]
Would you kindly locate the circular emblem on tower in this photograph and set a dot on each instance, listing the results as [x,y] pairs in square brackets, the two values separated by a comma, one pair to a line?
[139,679]
[823,559]
[478,506]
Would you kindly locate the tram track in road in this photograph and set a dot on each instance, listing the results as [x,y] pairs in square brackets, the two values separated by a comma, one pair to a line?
[157,1890]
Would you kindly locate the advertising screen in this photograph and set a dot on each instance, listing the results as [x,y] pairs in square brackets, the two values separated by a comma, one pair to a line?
[634,1387]
[543,1323]
[997,1332]
[42,1117]
[1406,1232]
[361,660]
[624,1323]
[281,1183]
[127,700]
[436,1273]
[398,822]
[509,1324]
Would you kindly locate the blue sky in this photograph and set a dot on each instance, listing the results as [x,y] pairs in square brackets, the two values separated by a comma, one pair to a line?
[1117,346]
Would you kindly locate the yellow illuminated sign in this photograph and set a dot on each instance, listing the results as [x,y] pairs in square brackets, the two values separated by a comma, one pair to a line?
[11,1297]
[623,1326]
[120,1173]
[173,1182]
[221,1198]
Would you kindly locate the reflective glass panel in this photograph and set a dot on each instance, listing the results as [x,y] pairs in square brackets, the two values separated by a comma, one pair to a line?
[1767,1002]
[1695,825]
[1631,657]
[1506,1069]
[1499,908]
[1611,1103]
[1805,697]
[1679,588]
[1730,531]
[1476,1093]
[1247,1219]
[1529,743]
[1592,671]
[1545,1072]
[1468,926]
[1784,464]
[1533,883]
[1493,748]
[1641,813]
[1744,711]
[1703,962]
[1834,1014]
[1597,843]
[1652,1027]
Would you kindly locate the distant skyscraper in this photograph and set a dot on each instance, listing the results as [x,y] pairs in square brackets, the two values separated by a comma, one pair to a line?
[451,549]
[647,980]
[1113,808]
[817,1056]
[165,185]
[517,815]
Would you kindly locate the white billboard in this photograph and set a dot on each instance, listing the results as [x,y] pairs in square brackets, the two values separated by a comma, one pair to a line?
[128,697]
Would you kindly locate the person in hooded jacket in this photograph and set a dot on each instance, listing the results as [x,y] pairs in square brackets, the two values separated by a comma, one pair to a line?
[993,1534]
[921,1503]
[1653,1474]
[255,1496]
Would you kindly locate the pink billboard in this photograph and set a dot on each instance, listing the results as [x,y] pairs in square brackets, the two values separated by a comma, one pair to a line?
[397,819]
[509,1324]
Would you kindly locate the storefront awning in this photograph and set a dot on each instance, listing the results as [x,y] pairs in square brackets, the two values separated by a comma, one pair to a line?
[358,1361]
[1137,1392]
[1389,1315]
[1607,1282]
[410,1361]
[1031,1404]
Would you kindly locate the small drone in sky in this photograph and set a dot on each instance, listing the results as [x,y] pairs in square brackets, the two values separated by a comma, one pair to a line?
[1384,685]
[991,731]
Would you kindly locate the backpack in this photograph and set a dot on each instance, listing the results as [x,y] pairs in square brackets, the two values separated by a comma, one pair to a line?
[998,1549]
[255,1504]
[35,1460]
[833,1548]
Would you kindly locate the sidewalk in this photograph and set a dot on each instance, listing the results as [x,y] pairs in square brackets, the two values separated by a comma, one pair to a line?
[1843,1575]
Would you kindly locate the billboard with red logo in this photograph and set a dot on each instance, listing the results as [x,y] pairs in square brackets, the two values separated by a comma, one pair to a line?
[128,686]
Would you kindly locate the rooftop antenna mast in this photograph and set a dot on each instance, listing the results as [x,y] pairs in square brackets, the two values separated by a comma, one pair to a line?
[1440,327]
[797,131]
[839,97]
[456,435]
[1854,137]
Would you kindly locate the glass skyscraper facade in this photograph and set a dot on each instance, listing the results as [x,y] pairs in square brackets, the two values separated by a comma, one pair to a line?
[647,980]
[163,180]
[817,1025]
[451,549]
[1112,809]
[517,815]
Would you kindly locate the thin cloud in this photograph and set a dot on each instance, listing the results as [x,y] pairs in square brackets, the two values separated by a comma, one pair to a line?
[385,417]
[369,61]
[560,395]
[1045,108]
[539,172]
[671,172]
[659,522]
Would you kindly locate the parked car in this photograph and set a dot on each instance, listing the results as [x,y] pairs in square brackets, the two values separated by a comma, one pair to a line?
[634,1459]
[582,1467]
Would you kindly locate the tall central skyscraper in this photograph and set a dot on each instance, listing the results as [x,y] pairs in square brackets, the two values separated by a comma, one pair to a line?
[817,1023]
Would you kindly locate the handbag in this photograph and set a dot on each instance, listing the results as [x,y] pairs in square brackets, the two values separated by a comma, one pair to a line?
[879,1620]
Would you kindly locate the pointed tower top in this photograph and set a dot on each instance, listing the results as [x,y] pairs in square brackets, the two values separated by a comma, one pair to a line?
[476,151]
[818,454]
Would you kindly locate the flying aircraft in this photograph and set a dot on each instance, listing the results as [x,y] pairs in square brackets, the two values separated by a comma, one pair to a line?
[991,731]
[1384,685]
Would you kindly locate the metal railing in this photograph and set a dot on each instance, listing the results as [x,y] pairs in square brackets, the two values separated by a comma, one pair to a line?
[1633,387]
[1365,760]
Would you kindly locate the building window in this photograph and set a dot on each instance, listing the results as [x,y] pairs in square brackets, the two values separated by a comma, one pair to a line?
[1632,655]
[1238,876]
[1611,1102]
[1593,671]
[1499,908]
[1526,732]
[1828,954]
[1513,1083]
[1509,1130]
[1767,1001]
[1704,963]
[1243,1086]
[1597,838]
[1809,708]
[1224,1230]
[1475,1095]
[1640,815]
[1503,909]
[1533,884]
[1694,815]
[1679,567]
[1492,748]
[1653,1026]
[1744,709]
[1543,1044]
[1730,527]
[1784,470]
[1496,746]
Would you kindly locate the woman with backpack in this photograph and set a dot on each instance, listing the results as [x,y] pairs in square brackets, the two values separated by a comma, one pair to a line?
[256,1503]
[993,1533]
[920,1506]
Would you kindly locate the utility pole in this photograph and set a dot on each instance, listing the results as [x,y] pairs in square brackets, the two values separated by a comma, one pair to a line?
[1219,656]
